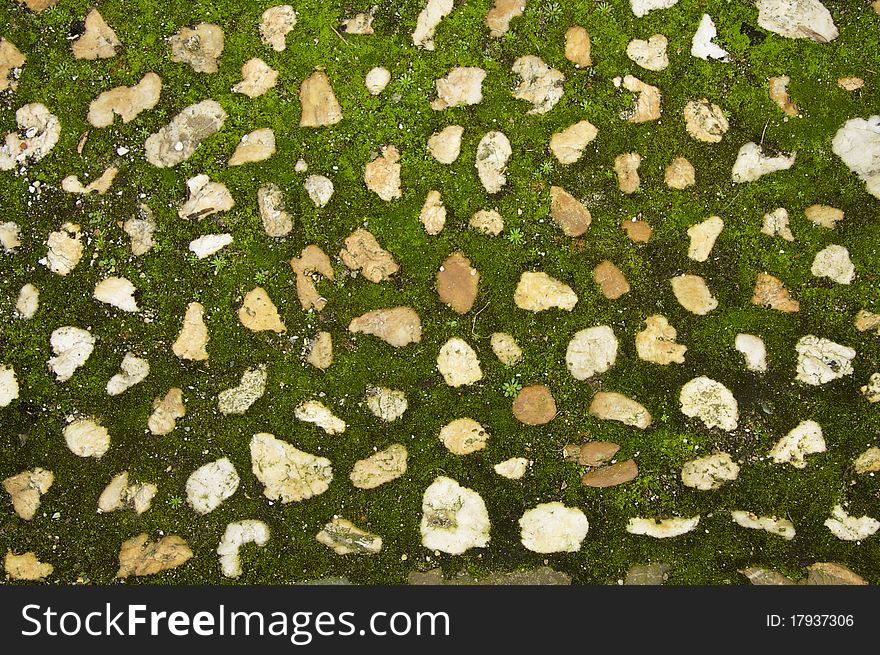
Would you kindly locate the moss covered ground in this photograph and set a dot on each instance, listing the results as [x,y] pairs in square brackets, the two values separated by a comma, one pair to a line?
[83,545]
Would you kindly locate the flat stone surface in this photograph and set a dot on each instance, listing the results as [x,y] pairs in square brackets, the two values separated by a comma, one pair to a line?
[534,405]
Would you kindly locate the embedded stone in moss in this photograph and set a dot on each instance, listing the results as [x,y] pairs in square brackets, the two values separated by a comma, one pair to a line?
[127,102]
[344,538]
[612,283]
[493,153]
[637,230]
[258,313]
[87,438]
[287,473]
[541,84]
[270,201]
[780,527]
[382,174]
[458,363]
[118,292]
[457,283]
[320,351]
[506,348]
[703,236]
[275,24]
[11,62]
[315,412]
[680,174]
[166,411]
[821,360]
[534,405]
[8,385]
[464,436]
[193,336]
[198,46]
[132,371]
[236,535]
[693,294]
[501,12]
[656,343]
[64,249]
[178,140]
[705,121]
[319,104]
[250,389]
[255,146]
[553,528]
[463,85]
[779,95]
[445,145]
[386,404]
[41,129]
[209,485]
[428,20]
[257,77]
[647,105]
[572,217]
[120,494]
[612,475]
[381,467]
[99,185]
[319,188]
[770,292]
[361,23]
[139,556]
[454,518]
[10,236]
[26,567]
[612,406]
[805,439]
[824,215]
[72,347]
[592,453]
[377,79]
[514,468]
[26,490]
[850,528]
[776,224]
[834,263]
[762,576]
[363,253]
[537,292]
[865,320]
[568,145]
[650,54]
[208,244]
[626,166]
[487,221]
[711,402]
[642,7]
[797,19]
[703,45]
[710,472]
[578,47]
[28,302]
[831,573]
[751,163]
[868,461]
[662,529]
[98,41]
[311,260]
[396,326]
[655,573]
[753,350]
[850,83]
[591,351]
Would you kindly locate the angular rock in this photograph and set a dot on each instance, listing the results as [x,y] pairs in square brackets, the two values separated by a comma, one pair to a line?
[591,351]
[505,348]
[464,436]
[207,245]
[821,360]
[396,326]
[770,292]
[382,174]
[693,294]
[553,528]
[463,85]
[703,237]
[578,47]
[433,214]
[287,473]
[661,529]
[344,538]
[568,213]
[703,46]
[386,404]
[98,41]
[427,22]
[626,166]
[680,174]
[457,283]
[258,312]
[319,104]
[377,79]
[850,83]
[538,292]
[834,263]
[312,260]
[361,23]
[64,249]
[541,85]
[177,141]
[257,77]
[320,351]
[138,556]
[650,54]
[198,46]
[751,163]
[210,485]
[276,221]
[140,229]
[711,402]
[166,411]
[454,518]
[781,527]
[513,469]
[458,363]
[193,336]
[26,567]
[275,24]
[868,461]
[776,224]
[72,347]
[871,391]
[317,413]
[41,129]
[612,406]
[238,400]
[612,475]
[797,19]
[132,371]
[255,146]
[125,101]
[118,292]
[234,537]
[824,215]
[612,283]
[501,13]
[99,185]
[805,439]
[10,236]
[647,105]
[119,495]
[568,145]
[534,405]
[493,153]
[363,253]
[850,528]
[86,438]
[319,188]
[445,145]
[829,573]
[8,385]
[710,472]
[379,468]
[656,343]
[642,7]
[26,489]
[779,95]
[11,62]
[857,143]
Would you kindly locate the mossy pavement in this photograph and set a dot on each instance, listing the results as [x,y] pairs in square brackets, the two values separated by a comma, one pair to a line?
[83,545]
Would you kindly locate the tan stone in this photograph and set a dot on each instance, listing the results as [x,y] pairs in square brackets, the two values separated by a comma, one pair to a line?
[276,221]
[445,145]
[457,283]
[38,132]
[319,104]
[457,362]
[540,84]
[705,121]
[361,23]
[258,313]
[680,174]
[379,468]
[363,253]
[86,438]
[693,294]
[656,343]
[850,83]
[636,230]
[98,41]
[320,351]
[703,237]
[612,475]
[257,77]
[770,292]
[193,337]
[536,292]
[198,46]
[275,24]
[166,411]
[578,47]
[568,213]
[627,168]
[487,221]
[829,573]
[650,54]
[26,489]
[534,405]
[255,146]
[26,567]
[382,174]
[99,185]
[868,461]
[344,538]
[824,216]
[866,320]
[177,141]
[287,473]
[464,436]
[776,224]
[594,453]
[433,214]
[397,326]
[612,406]
[64,249]
[138,556]
[461,86]
[428,20]
[11,60]
[568,145]
[506,348]
[611,280]
[125,101]
[493,153]
[501,13]
[311,260]
[779,95]
[205,198]
[647,105]
[38,5]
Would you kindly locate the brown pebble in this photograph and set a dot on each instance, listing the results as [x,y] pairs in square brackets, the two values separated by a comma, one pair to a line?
[568,213]
[638,231]
[596,453]
[610,280]
[457,283]
[611,476]
[534,405]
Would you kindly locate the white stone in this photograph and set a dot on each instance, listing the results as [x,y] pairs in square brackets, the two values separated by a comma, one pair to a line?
[344,538]
[132,371]
[710,472]
[254,146]
[458,363]
[850,528]
[211,484]
[753,350]
[821,360]
[591,351]
[553,528]
[319,188]
[857,143]
[42,130]
[506,348]
[275,24]
[86,438]
[386,404]
[797,19]
[702,45]
[805,439]
[28,302]
[454,518]
[287,473]
[315,412]
[650,54]
[8,385]
[711,402]
[661,529]
[834,263]
[64,249]
[235,536]
[781,527]
[537,292]
[119,494]
[751,163]
[205,198]
[642,7]
[72,347]
[776,224]
[463,85]
[118,292]
[377,79]
[207,245]
[427,22]
[513,468]
[493,153]
[10,236]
